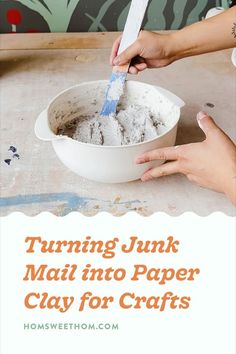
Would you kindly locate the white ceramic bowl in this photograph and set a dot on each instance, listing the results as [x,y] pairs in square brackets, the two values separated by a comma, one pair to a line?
[109,164]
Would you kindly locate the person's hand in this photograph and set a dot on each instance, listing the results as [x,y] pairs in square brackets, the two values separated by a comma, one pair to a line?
[210,164]
[151,50]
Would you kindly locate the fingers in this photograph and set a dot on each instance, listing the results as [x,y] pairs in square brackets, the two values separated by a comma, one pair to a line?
[127,55]
[167,169]
[206,123]
[169,153]
[141,66]
[115,49]
[135,69]
[137,60]
[137,65]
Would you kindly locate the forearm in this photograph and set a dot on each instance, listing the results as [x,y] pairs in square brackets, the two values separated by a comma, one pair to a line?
[213,34]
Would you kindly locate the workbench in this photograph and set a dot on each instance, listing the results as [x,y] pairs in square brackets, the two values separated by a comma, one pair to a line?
[36,67]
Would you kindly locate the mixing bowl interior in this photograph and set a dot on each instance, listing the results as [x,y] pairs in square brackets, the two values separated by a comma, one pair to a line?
[87,99]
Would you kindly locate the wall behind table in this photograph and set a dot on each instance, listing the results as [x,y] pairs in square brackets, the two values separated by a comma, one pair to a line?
[96,15]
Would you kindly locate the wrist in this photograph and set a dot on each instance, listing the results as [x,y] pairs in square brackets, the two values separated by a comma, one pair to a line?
[174,47]
[230,190]
[181,45]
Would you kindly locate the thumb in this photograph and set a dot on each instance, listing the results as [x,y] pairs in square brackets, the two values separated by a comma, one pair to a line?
[206,123]
[127,55]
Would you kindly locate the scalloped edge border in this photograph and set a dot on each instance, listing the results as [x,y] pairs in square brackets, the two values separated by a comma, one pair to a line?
[105,213]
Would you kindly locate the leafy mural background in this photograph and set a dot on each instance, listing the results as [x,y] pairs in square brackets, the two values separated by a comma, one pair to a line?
[97,15]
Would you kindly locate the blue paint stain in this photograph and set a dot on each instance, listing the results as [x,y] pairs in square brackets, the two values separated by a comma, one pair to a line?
[73,201]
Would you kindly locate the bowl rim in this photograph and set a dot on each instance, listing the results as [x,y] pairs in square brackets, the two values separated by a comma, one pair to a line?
[65,137]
